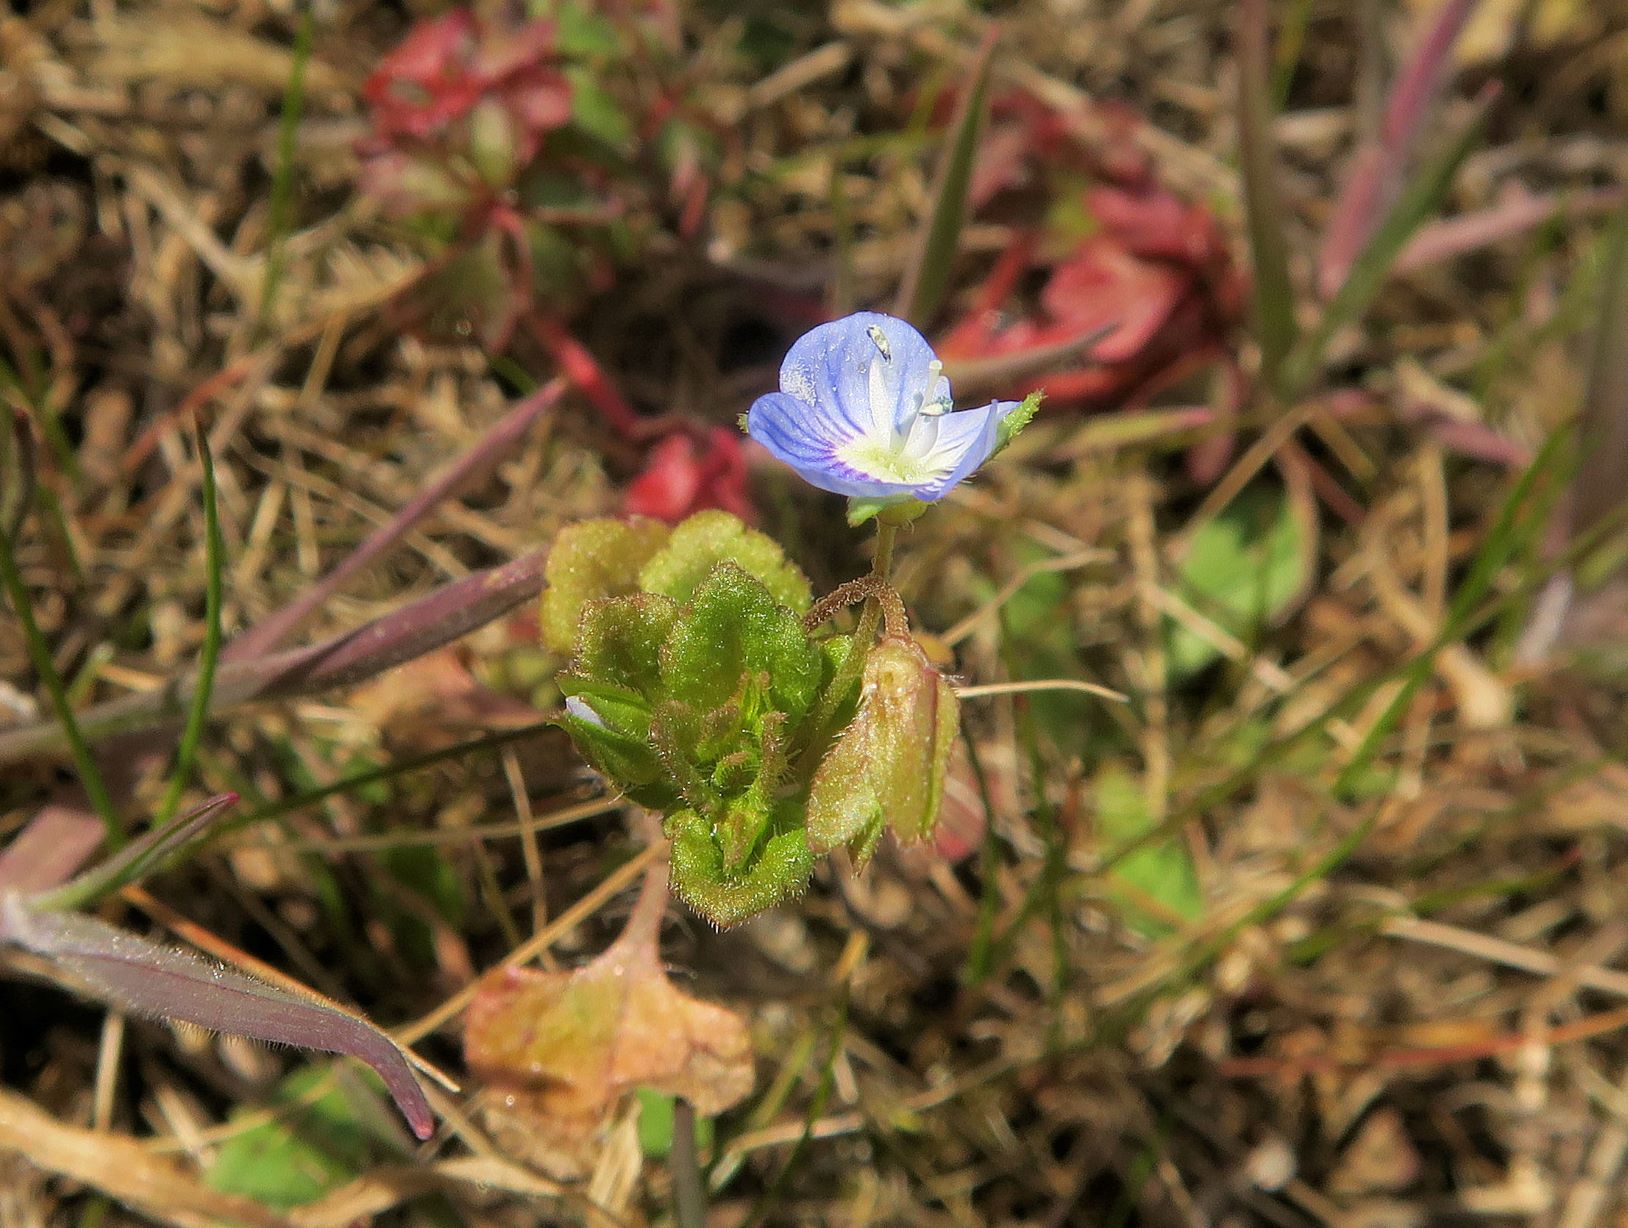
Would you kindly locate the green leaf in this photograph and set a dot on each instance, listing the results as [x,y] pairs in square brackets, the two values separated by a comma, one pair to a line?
[1160,872]
[712,537]
[322,1139]
[579,31]
[779,873]
[595,111]
[655,1122]
[1241,571]
[619,641]
[593,559]
[734,628]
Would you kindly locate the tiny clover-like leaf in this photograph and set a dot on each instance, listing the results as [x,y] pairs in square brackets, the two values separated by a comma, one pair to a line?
[779,872]
[732,628]
[708,538]
[589,560]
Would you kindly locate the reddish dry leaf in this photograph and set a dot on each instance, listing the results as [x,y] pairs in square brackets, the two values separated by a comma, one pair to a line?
[680,480]
[562,1050]
[1154,268]
[448,66]
[435,700]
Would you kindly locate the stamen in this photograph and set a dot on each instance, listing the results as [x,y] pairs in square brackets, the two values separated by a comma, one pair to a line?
[879,340]
[938,405]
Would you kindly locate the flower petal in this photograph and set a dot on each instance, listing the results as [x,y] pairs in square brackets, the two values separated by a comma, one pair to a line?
[833,367]
[965,440]
[804,436]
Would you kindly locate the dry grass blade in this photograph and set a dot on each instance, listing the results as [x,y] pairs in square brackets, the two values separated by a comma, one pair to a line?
[1472,232]
[468,469]
[426,624]
[122,1169]
[56,842]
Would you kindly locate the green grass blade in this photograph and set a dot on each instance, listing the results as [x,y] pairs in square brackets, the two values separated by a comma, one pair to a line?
[215,565]
[927,277]
[1514,521]
[1286,56]
[39,655]
[282,184]
[981,953]
[1263,208]
[1597,487]
[1419,200]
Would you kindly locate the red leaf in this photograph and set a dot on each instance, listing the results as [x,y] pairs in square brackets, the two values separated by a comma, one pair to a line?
[680,479]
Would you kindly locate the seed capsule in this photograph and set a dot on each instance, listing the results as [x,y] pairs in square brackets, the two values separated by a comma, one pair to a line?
[888,765]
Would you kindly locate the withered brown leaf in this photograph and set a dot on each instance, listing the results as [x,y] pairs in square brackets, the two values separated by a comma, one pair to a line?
[561,1051]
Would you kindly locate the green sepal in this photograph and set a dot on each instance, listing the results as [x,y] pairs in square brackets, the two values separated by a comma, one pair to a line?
[708,538]
[619,708]
[1007,429]
[835,650]
[748,778]
[732,628]
[780,872]
[590,560]
[618,743]
[899,510]
[843,808]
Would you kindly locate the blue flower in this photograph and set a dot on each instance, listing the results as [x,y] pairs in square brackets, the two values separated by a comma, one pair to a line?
[864,410]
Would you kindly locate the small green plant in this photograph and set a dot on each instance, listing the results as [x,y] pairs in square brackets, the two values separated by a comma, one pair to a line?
[709,685]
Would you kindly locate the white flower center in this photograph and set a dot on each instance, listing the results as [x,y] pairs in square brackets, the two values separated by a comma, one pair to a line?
[902,449]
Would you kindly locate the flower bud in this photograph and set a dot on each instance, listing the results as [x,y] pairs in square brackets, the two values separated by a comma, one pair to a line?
[888,765]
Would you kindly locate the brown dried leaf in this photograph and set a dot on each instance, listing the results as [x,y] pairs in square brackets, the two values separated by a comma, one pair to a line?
[562,1050]
[435,700]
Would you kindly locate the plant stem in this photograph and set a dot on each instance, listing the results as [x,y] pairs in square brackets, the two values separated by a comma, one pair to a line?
[882,560]
[39,653]
[853,664]
[215,566]
[689,1199]
[871,616]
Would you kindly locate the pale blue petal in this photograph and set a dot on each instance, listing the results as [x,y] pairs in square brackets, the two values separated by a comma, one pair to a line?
[831,367]
[966,439]
[806,438]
